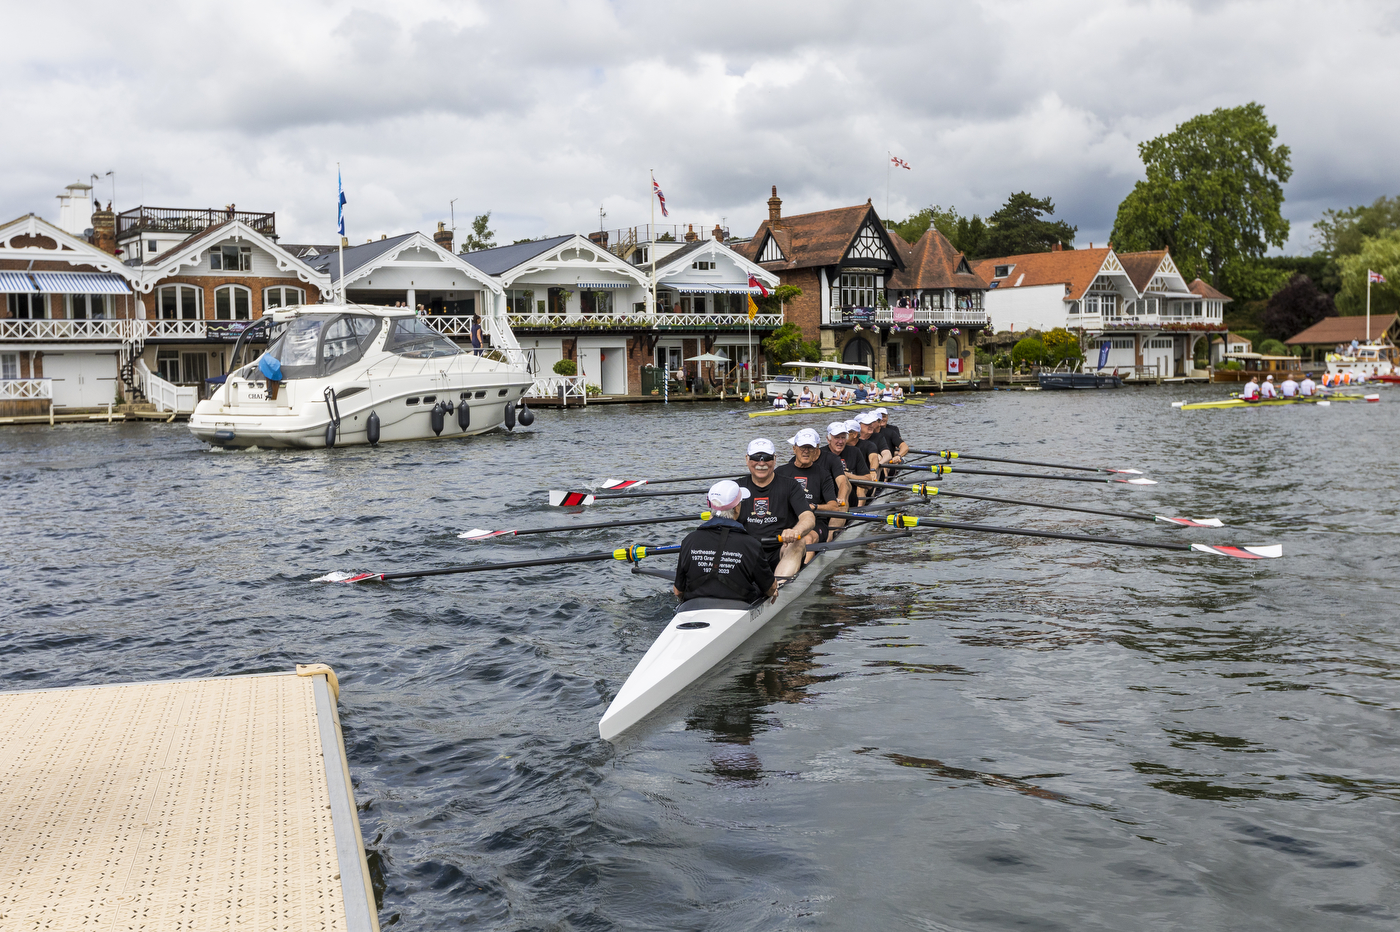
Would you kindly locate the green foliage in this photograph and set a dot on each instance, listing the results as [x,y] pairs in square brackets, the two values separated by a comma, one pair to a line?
[1018,227]
[773,304]
[666,238]
[481,236]
[786,345]
[590,390]
[1061,346]
[1002,360]
[1272,348]
[1295,307]
[1231,364]
[1321,269]
[1251,280]
[1380,254]
[1028,351]
[566,367]
[1213,192]
[967,234]
[1340,232]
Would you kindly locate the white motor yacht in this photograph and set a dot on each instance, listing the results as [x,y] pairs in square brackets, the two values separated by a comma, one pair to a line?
[1370,359]
[823,378]
[347,374]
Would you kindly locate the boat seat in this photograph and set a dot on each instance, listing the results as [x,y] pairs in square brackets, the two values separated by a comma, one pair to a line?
[729,605]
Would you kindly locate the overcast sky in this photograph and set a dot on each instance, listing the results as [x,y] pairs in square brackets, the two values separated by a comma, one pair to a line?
[542,112]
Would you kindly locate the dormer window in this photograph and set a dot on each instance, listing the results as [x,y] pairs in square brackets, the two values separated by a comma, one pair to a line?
[231,258]
[1001,271]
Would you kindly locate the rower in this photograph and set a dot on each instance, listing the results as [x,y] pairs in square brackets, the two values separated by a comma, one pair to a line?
[867,446]
[719,559]
[807,399]
[1308,388]
[807,469]
[1251,389]
[890,434]
[857,463]
[835,463]
[1267,390]
[776,510]
[1289,388]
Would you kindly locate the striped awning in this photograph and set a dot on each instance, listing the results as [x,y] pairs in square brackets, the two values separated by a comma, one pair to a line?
[80,283]
[16,283]
[602,286]
[711,288]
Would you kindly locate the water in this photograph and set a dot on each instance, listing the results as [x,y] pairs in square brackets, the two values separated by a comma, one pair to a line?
[954,733]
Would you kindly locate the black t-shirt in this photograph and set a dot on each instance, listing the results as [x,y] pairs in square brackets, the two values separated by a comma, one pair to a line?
[881,441]
[816,480]
[772,509]
[834,465]
[866,448]
[893,436]
[743,566]
[856,463]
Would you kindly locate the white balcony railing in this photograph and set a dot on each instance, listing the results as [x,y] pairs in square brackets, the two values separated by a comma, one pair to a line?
[174,329]
[26,389]
[717,320]
[166,396]
[84,330]
[920,315]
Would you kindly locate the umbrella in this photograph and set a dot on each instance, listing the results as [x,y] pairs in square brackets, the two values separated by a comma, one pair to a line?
[707,357]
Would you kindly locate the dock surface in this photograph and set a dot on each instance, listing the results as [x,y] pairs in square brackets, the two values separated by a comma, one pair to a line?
[193,804]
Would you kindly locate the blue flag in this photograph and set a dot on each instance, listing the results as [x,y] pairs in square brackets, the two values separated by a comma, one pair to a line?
[340,207]
[1103,352]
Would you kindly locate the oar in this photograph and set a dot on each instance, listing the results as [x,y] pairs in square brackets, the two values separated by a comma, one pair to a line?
[559,498]
[940,469]
[616,484]
[477,534]
[630,554]
[1261,552]
[927,490]
[952,455]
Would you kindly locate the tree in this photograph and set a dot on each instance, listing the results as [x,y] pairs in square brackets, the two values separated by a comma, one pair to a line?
[1061,346]
[1018,227]
[1377,254]
[1272,348]
[1213,192]
[1340,232]
[965,233]
[776,299]
[481,236]
[1295,307]
[1028,351]
[786,345]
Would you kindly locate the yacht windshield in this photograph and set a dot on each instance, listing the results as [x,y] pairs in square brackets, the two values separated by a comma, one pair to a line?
[314,346]
[410,337]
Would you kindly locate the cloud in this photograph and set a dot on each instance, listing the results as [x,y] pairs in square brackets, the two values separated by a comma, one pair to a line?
[543,111]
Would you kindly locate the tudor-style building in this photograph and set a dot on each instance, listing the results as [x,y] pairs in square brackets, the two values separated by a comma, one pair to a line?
[846,262]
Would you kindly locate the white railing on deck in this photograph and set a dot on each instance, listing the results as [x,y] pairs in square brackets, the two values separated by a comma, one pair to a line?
[166,396]
[23,389]
[717,320]
[547,386]
[93,330]
[174,329]
[921,315]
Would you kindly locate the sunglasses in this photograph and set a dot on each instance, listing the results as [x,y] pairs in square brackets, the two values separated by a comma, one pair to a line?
[762,457]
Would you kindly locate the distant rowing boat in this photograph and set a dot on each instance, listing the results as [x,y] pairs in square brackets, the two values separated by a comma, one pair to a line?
[1229,403]
[828,409]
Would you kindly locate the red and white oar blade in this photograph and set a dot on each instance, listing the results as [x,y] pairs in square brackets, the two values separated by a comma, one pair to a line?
[1136,481]
[1263,552]
[1191,522]
[621,483]
[342,576]
[477,533]
[1128,472]
[1373,397]
[560,499]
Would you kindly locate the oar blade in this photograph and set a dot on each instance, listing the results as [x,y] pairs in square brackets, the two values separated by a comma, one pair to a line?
[1258,552]
[477,533]
[1191,522]
[341,576]
[1135,481]
[621,483]
[1126,472]
[561,499]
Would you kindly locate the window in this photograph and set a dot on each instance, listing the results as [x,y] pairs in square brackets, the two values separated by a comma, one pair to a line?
[858,289]
[180,302]
[282,296]
[1001,271]
[232,302]
[519,301]
[1091,304]
[231,258]
[27,306]
[9,365]
[771,252]
[664,300]
[88,306]
[1108,304]
[596,302]
[168,365]
[411,337]
[1196,309]
[703,266]
[152,246]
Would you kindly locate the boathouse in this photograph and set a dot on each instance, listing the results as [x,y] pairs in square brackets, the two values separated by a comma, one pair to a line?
[1330,333]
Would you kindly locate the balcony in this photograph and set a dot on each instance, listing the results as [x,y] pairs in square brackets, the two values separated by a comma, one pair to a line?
[26,389]
[91,331]
[660,321]
[932,316]
[180,220]
[1135,322]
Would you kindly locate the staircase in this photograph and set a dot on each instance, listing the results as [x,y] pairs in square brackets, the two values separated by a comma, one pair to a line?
[127,356]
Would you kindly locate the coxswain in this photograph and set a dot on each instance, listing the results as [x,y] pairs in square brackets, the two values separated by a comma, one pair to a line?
[776,511]
[1251,389]
[720,559]
[1308,387]
[807,469]
[1267,390]
[1289,388]
[780,402]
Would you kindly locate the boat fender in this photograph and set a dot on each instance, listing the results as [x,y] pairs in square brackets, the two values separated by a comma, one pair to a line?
[464,416]
[447,406]
[526,417]
[330,435]
[436,419]
[372,429]
[510,415]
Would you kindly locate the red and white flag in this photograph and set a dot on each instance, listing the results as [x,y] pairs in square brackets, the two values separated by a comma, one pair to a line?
[660,197]
[755,283]
[1376,277]
[900,162]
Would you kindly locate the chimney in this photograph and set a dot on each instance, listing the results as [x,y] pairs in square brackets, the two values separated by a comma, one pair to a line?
[775,208]
[104,229]
[443,236]
[1058,247]
[690,235]
[717,234]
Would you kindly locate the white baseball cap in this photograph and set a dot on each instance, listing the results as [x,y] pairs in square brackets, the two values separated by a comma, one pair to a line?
[806,437]
[725,494]
[852,424]
[1269,379]
[761,445]
[836,428]
[869,417]
[882,412]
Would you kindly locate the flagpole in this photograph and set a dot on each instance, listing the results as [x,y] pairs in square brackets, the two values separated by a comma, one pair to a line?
[889,159]
[340,208]
[1368,305]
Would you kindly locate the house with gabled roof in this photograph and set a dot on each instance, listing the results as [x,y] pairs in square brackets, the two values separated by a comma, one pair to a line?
[936,310]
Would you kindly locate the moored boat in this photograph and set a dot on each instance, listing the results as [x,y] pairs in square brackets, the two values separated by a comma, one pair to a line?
[348,374]
[1062,381]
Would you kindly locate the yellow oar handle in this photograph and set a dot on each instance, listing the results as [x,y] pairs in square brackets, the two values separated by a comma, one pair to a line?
[940,469]
[630,554]
[922,488]
[948,454]
[901,521]
[706,515]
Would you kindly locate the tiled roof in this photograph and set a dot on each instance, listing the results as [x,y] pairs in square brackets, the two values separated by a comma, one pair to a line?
[355,256]
[501,259]
[932,262]
[1345,329]
[816,239]
[1074,268]
[1201,289]
[1141,266]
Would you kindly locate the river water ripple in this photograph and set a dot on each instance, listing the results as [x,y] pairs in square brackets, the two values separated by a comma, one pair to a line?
[954,732]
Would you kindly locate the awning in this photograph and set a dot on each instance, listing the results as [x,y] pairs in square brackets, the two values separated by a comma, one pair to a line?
[708,288]
[16,283]
[81,283]
[602,286]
